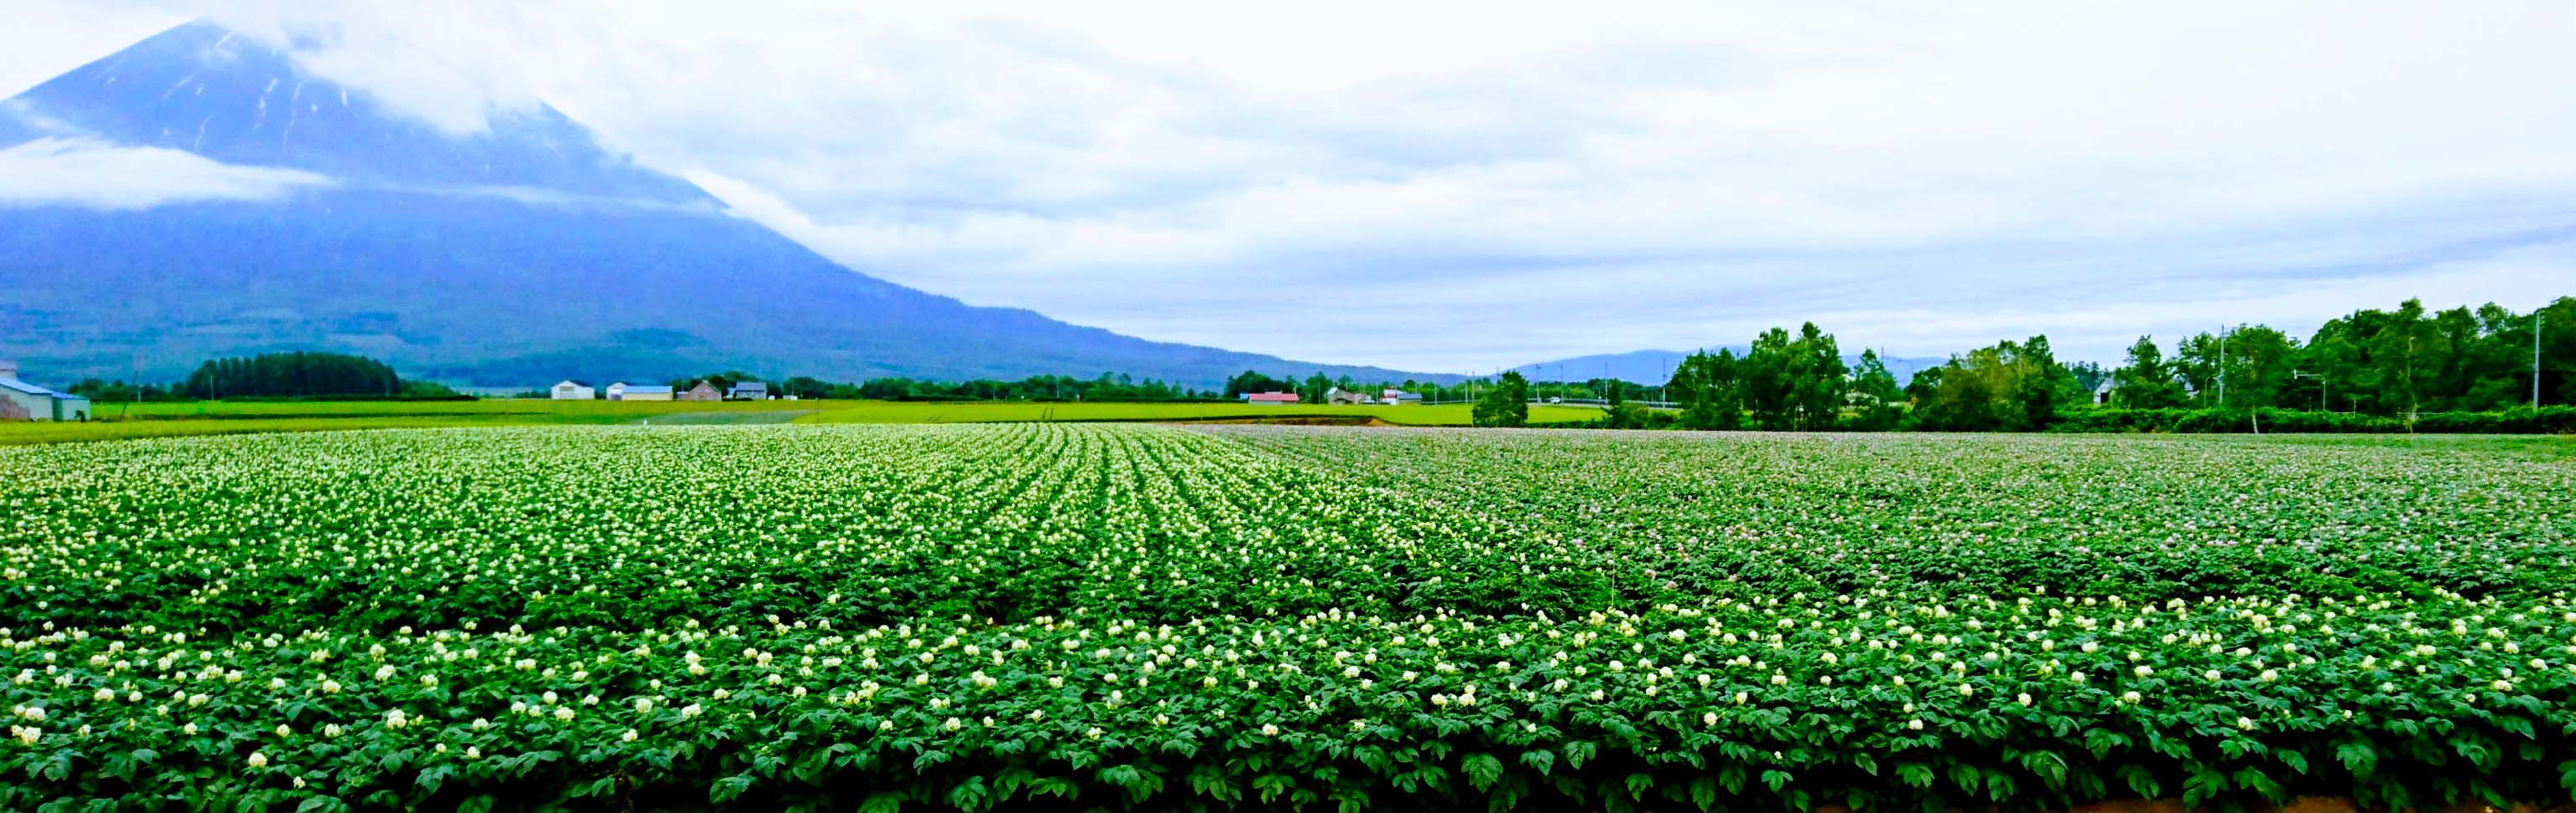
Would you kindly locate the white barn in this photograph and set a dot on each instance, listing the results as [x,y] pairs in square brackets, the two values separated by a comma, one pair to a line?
[22,401]
[570,390]
[622,391]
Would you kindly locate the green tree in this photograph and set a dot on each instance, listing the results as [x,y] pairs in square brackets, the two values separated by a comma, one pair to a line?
[2260,361]
[1794,383]
[1710,390]
[1820,382]
[1768,371]
[2146,382]
[293,375]
[2406,356]
[1874,392]
[1507,404]
[2037,382]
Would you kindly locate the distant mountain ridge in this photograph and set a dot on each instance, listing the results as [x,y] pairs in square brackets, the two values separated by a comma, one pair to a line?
[1656,366]
[516,256]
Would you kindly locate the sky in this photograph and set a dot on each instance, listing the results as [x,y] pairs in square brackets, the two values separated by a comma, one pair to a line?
[1464,187]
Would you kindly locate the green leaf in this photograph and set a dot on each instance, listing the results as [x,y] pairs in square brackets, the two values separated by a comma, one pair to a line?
[1914,774]
[882,802]
[1540,759]
[2254,780]
[2516,725]
[1703,792]
[2201,785]
[2360,758]
[1482,770]
[729,788]
[1639,783]
[1578,752]
[1055,786]
[970,794]
[475,804]
[2141,781]
[2296,761]
[1965,776]
[2048,767]
[1775,780]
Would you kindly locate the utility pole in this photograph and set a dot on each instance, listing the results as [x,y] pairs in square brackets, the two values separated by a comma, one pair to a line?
[2535,359]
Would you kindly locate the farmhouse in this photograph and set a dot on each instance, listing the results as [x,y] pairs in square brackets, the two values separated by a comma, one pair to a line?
[1396,397]
[702,392]
[622,391]
[570,390]
[1270,397]
[1338,396]
[748,391]
[21,401]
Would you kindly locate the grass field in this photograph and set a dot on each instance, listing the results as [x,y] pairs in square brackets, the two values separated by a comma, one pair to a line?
[123,421]
[1118,616]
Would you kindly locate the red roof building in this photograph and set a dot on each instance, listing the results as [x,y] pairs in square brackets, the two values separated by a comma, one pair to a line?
[1270,397]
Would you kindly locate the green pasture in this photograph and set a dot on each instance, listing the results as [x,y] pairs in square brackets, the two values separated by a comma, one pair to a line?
[126,421]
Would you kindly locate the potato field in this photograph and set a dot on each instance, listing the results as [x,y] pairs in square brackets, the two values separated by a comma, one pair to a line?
[1094,616]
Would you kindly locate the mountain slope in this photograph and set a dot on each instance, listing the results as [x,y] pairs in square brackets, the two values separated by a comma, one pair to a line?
[516,256]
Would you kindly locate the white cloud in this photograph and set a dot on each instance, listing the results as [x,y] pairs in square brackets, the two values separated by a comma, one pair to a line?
[84,172]
[1472,185]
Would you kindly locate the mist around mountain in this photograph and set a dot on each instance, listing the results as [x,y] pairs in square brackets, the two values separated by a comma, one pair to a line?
[318,220]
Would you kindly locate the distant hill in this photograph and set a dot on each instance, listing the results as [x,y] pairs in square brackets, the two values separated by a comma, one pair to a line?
[1656,366]
[513,257]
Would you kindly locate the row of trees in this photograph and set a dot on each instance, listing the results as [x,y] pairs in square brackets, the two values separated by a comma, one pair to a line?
[1315,386]
[2009,387]
[2398,362]
[1107,387]
[273,375]
[1782,382]
[2394,362]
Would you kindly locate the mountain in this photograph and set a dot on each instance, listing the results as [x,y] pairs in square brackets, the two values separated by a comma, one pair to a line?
[516,256]
[1656,366]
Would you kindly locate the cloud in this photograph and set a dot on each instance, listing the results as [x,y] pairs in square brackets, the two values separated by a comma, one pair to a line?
[1475,185]
[94,174]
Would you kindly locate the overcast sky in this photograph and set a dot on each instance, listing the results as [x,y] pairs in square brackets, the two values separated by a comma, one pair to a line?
[1460,187]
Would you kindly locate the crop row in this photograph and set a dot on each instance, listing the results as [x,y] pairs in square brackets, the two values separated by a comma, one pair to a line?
[1865,700]
[972,617]
[1761,514]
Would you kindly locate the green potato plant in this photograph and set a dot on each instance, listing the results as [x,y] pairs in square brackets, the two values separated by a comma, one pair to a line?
[1136,617]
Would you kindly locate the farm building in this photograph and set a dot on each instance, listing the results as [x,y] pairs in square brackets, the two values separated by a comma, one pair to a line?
[1338,396]
[703,392]
[1270,397]
[569,390]
[21,401]
[622,391]
[1396,397]
[748,391]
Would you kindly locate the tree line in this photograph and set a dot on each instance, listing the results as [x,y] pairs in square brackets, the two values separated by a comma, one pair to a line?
[1106,387]
[2405,361]
[2385,365]
[274,375]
